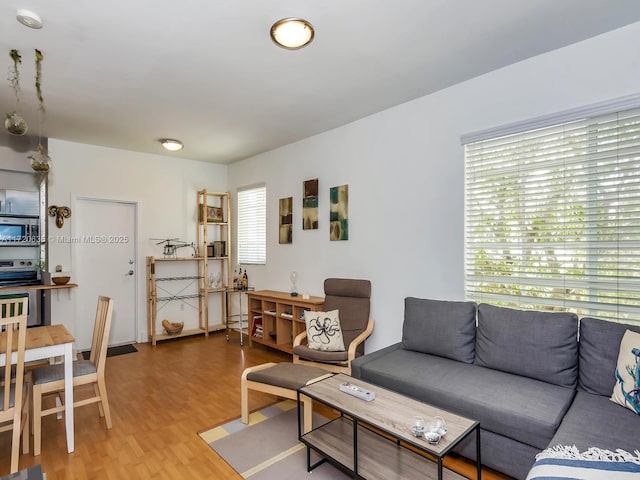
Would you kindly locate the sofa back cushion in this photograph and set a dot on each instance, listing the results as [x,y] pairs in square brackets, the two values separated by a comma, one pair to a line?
[599,347]
[540,345]
[440,327]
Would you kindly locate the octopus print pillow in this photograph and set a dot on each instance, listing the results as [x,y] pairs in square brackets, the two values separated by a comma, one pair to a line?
[323,331]
[627,389]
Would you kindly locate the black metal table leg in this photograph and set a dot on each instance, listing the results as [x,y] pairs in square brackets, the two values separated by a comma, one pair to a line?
[478,460]
[355,448]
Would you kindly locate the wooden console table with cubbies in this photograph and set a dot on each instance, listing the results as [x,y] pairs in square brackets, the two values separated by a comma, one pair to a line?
[276,317]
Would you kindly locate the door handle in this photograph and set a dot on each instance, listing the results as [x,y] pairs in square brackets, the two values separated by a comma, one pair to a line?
[130,272]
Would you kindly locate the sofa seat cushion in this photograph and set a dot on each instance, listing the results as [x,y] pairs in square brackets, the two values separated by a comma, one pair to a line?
[596,421]
[520,408]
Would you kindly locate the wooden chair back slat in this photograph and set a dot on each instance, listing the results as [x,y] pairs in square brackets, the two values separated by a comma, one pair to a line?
[13,335]
[101,331]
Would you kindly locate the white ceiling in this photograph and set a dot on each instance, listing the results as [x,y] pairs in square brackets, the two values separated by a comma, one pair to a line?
[124,73]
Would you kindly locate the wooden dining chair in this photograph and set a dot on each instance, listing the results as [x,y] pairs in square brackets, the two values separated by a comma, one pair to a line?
[50,378]
[14,411]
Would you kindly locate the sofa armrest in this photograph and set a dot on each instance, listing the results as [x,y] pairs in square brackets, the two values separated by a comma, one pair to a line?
[357,363]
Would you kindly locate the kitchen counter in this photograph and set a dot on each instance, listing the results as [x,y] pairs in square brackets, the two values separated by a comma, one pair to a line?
[22,288]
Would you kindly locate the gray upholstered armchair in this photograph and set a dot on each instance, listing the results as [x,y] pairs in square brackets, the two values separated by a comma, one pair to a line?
[352,299]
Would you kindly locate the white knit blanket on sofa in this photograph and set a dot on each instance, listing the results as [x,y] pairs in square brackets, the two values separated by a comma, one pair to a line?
[564,462]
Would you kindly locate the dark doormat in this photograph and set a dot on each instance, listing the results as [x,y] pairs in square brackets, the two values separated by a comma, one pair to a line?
[113,351]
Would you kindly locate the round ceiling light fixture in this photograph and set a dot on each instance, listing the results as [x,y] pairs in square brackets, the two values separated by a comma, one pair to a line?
[292,33]
[171,144]
[28,18]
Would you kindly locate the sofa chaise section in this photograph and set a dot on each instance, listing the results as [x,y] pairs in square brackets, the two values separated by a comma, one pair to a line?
[593,420]
[513,406]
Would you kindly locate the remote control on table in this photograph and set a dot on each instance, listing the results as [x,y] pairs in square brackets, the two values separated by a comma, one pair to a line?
[357,391]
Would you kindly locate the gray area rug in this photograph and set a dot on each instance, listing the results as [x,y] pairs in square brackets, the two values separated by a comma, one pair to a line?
[268,448]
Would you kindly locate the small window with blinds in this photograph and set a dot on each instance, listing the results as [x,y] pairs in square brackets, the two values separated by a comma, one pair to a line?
[252,225]
[552,217]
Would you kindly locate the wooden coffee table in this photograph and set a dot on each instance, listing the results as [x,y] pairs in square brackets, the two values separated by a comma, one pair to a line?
[371,439]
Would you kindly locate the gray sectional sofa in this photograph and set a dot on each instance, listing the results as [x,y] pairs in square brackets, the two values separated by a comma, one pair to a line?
[522,374]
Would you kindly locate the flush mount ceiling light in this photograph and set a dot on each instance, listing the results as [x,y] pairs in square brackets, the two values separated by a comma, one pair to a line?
[28,18]
[171,144]
[292,33]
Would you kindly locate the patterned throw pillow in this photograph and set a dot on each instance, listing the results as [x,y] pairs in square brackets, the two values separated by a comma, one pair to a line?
[323,331]
[627,389]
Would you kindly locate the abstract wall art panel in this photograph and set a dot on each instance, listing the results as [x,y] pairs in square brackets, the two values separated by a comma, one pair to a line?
[310,204]
[286,220]
[339,213]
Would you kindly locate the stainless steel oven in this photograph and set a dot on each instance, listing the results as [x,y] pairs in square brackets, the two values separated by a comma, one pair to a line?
[21,273]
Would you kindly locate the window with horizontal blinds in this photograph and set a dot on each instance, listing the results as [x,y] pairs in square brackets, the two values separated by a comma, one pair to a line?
[552,217]
[252,225]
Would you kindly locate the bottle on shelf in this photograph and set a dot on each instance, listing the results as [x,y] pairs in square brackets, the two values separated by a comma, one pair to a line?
[235,278]
[239,282]
[245,281]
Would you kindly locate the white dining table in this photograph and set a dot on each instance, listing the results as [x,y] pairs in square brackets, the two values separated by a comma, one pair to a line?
[47,342]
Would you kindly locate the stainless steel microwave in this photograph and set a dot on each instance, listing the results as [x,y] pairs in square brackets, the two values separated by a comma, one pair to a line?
[16,231]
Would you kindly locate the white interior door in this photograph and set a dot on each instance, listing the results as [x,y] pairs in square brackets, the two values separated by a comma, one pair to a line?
[104,264]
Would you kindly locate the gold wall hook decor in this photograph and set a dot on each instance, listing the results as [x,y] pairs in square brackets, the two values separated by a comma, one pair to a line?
[60,213]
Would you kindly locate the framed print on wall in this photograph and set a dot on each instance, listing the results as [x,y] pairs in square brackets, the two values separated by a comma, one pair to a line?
[286,220]
[339,213]
[214,214]
[310,204]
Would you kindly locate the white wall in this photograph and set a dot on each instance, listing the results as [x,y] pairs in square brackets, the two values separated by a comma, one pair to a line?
[14,152]
[404,168]
[164,189]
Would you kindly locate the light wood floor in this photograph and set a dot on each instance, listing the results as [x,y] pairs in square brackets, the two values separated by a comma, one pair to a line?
[160,397]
